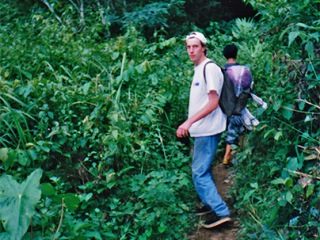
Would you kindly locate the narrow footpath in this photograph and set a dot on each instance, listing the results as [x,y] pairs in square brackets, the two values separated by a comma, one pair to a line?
[223,180]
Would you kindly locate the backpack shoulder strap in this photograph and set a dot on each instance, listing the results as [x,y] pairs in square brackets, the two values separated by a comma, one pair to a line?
[204,69]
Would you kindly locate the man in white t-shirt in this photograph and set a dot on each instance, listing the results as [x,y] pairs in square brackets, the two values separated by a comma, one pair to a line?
[205,123]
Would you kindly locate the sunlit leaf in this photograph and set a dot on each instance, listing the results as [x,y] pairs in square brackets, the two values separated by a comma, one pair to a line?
[302,25]
[3,154]
[115,55]
[268,133]
[277,181]
[294,221]
[115,134]
[86,88]
[310,190]
[278,135]
[254,185]
[289,196]
[308,118]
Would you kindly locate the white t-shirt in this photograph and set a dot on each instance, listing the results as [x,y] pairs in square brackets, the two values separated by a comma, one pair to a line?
[214,122]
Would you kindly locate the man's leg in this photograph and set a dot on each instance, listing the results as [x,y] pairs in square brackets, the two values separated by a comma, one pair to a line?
[226,157]
[204,150]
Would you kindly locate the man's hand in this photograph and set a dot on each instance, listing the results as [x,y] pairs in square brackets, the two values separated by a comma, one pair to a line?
[183,130]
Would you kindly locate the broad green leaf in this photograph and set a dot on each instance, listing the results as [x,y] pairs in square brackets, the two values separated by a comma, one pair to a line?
[115,134]
[289,196]
[277,106]
[305,135]
[268,133]
[26,74]
[254,185]
[86,88]
[110,184]
[293,164]
[310,190]
[277,181]
[287,112]
[81,225]
[47,189]
[309,48]
[92,235]
[274,212]
[293,36]
[301,105]
[283,33]
[115,55]
[282,200]
[149,232]
[4,236]
[86,197]
[70,200]
[315,36]
[21,157]
[248,195]
[162,228]
[18,201]
[288,182]
[302,25]
[124,170]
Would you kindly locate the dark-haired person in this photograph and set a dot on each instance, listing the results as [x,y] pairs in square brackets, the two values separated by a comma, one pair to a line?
[205,123]
[241,119]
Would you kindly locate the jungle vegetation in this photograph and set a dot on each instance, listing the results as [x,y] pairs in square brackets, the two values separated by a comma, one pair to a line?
[91,93]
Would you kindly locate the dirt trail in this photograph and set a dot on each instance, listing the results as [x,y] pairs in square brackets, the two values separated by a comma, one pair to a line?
[223,179]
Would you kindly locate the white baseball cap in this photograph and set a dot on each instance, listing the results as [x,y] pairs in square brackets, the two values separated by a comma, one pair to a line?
[197,35]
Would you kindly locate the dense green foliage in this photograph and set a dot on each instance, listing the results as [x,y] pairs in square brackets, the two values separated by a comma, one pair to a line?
[278,186]
[97,113]
[113,17]
[98,118]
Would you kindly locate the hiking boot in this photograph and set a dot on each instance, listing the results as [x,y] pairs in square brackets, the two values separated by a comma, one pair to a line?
[203,210]
[216,221]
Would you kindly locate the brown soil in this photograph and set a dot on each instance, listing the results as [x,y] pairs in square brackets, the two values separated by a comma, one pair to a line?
[223,180]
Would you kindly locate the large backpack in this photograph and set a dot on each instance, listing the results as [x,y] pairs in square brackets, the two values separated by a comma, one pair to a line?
[229,102]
